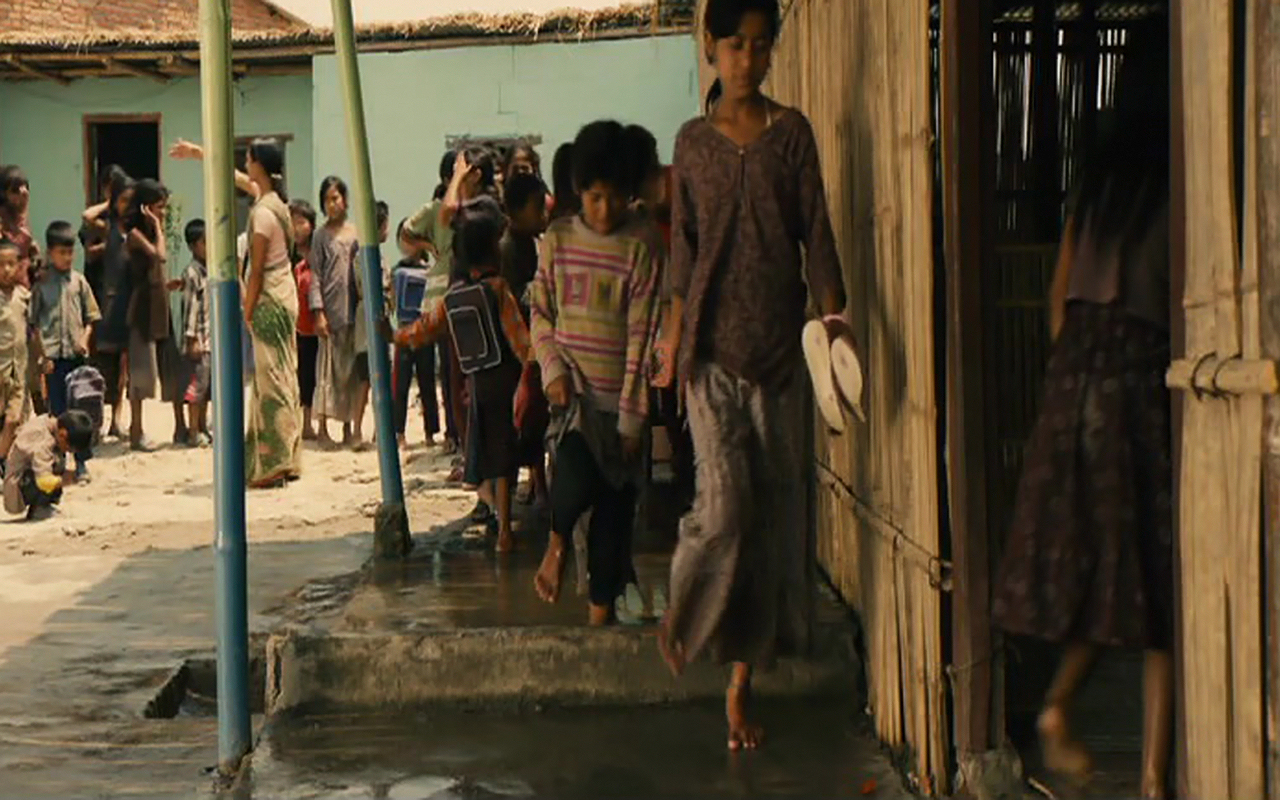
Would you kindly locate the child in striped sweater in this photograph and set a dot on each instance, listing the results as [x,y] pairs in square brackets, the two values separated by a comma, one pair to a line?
[592,316]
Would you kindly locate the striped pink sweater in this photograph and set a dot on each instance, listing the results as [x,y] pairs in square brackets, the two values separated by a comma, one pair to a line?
[593,314]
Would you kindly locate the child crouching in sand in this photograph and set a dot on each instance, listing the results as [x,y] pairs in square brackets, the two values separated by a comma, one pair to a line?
[491,342]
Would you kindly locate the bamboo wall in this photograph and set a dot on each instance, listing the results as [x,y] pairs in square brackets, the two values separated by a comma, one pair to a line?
[1220,527]
[860,70]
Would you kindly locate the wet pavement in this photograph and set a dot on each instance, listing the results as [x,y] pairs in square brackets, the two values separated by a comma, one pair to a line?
[814,750]
[72,698]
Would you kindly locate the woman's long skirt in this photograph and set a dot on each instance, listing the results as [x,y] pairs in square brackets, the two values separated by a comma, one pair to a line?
[1089,556]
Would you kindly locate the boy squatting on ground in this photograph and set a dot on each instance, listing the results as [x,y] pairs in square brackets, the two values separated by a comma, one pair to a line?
[35,462]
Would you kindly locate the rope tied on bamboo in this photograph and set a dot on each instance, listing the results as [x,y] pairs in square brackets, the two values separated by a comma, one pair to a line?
[1200,362]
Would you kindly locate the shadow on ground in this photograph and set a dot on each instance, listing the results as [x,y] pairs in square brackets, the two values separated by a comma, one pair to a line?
[72,698]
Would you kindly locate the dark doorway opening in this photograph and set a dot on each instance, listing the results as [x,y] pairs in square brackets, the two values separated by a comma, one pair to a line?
[131,142]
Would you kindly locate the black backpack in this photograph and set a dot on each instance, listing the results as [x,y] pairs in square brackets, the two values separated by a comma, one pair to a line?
[473,322]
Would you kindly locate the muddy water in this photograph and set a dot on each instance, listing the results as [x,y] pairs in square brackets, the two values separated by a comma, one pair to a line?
[814,751]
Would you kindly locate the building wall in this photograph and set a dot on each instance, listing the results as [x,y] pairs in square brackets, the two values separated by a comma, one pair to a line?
[41,129]
[413,100]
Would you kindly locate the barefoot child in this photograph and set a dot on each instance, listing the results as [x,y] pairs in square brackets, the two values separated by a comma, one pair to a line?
[64,312]
[334,250]
[15,303]
[748,202]
[195,334]
[304,225]
[492,344]
[592,308]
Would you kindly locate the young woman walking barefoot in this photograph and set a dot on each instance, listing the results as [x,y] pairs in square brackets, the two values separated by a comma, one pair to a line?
[1089,558]
[748,201]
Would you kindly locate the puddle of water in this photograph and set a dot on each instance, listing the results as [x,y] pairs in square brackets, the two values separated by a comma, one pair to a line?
[815,749]
[460,583]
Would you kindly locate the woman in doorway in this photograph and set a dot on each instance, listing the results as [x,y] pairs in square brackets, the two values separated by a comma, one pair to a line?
[1089,558]
[748,204]
[111,335]
[147,313]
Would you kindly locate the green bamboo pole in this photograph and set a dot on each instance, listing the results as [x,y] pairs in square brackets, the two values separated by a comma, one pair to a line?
[230,547]
[391,525]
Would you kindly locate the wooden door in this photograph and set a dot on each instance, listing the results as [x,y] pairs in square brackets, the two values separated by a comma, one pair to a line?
[1226,182]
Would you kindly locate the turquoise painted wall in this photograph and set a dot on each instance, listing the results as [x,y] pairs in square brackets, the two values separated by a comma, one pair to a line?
[413,100]
[41,129]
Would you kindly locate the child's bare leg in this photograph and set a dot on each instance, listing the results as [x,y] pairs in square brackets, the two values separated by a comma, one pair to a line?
[308,429]
[135,421]
[322,430]
[502,489]
[743,734]
[181,433]
[7,435]
[114,428]
[361,404]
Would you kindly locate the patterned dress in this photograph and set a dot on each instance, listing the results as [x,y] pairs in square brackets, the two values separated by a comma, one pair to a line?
[273,444]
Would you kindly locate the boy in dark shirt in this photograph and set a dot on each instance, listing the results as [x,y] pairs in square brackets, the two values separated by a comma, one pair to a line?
[63,311]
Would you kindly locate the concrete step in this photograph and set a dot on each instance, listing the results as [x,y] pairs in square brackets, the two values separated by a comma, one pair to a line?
[455,624]
[553,665]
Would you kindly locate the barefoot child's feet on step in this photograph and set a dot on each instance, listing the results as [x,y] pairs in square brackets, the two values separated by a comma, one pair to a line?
[547,581]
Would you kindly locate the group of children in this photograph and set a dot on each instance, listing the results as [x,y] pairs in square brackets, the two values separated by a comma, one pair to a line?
[549,307]
[72,342]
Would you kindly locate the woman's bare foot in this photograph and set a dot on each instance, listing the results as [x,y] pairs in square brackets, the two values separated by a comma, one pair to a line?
[672,652]
[743,733]
[1154,790]
[309,435]
[547,581]
[1061,753]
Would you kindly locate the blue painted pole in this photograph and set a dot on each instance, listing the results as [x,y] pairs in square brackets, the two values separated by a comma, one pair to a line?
[230,546]
[391,526]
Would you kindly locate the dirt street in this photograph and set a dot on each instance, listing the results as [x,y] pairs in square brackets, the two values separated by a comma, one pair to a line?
[164,500]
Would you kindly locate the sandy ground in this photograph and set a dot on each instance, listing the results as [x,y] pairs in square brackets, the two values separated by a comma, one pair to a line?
[164,500]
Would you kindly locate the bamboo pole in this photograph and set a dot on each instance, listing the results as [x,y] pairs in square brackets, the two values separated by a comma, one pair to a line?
[234,735]
[391,526]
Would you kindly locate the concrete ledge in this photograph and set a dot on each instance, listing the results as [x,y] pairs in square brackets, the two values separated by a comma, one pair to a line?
[554,665]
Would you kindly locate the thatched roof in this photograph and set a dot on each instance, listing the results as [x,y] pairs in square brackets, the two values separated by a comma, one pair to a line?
[74,24]
[182,30]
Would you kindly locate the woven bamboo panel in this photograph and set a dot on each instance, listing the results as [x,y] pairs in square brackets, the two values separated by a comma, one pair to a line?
[860,70]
